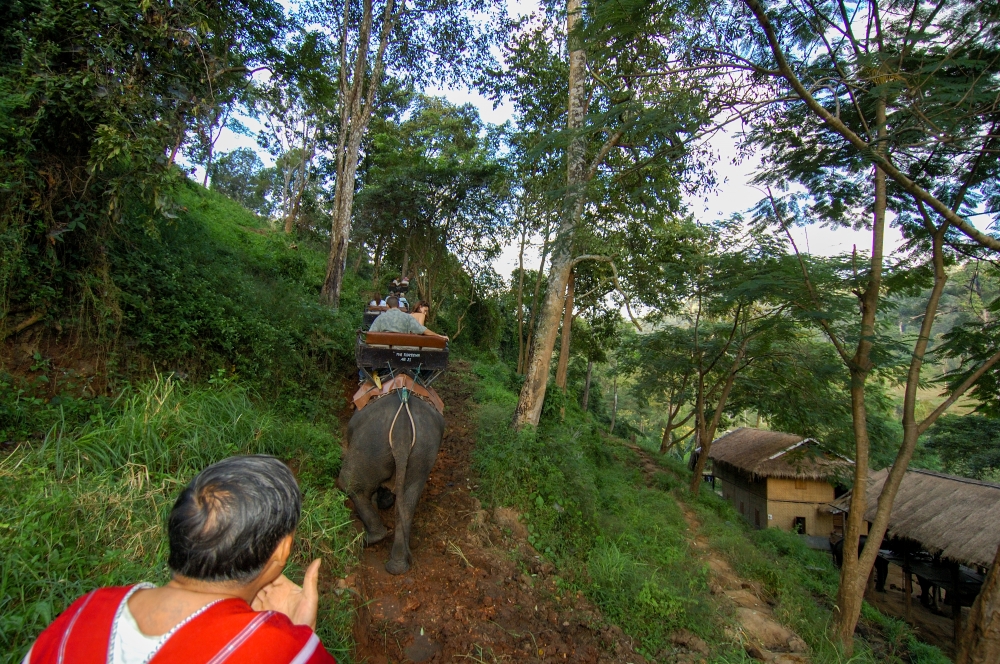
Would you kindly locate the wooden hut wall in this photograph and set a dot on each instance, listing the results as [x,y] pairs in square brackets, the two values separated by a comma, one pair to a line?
[788,499]
[748,495]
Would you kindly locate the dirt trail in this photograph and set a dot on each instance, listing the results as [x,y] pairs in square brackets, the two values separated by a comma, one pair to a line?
[763,637]
[477,590]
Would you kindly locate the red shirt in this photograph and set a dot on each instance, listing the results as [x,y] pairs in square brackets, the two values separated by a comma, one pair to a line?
[227,631]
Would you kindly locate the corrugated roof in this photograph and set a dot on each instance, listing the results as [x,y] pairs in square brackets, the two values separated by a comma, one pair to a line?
[956,517]
[776,454]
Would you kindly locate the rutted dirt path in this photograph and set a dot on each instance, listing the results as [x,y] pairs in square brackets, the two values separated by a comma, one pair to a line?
[763,637]
[477,590]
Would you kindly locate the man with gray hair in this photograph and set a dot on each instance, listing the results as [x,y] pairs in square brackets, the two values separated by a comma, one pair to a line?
[230,534]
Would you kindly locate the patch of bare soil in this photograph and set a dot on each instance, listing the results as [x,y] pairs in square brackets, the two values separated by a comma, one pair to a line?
[477,590]
[56,363]
[937,629]
[763,637]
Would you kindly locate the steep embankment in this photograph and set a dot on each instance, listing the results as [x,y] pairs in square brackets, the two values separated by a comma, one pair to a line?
[201,337]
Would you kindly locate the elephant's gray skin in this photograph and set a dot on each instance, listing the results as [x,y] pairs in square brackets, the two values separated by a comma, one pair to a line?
[370,466]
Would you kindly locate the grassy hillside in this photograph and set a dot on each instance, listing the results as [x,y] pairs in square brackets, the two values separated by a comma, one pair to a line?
[624,539]
[217,289]
[219,348]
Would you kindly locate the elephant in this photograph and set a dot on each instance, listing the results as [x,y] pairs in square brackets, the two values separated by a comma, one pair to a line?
[393,474]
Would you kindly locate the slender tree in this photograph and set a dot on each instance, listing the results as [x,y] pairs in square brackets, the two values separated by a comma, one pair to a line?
[891,96]
[614,123]
[414,42]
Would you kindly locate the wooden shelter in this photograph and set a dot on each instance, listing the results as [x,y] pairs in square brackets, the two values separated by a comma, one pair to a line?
[955,518]
[942,528]
[777,480]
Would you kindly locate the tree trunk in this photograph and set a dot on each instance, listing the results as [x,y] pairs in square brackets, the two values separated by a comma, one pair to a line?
[337,259]
[359,259]
[586,385]
[177,144]
[377,265]
[529,405]
[221,117]
[981,641]
[665,440]
[300,188]
[700,437]
[567,332]
[356,109]
[405,267]
[706,430]
[286,191]
[853,575]
[208,163]
[614,406]
[534,300]
[520,300]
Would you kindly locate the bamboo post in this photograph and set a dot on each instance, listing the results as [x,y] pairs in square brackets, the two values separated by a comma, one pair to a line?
[907,589]
[956,603]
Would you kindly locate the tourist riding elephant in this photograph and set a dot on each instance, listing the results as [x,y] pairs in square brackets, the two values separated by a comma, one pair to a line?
[371,466]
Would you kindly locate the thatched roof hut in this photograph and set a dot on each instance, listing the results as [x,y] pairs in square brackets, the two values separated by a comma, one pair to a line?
[763,453]
[956,517]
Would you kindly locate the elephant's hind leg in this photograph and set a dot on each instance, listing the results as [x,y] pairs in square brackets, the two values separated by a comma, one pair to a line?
[375,530]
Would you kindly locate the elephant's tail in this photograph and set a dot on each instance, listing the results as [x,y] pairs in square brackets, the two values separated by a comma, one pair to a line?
[401,451]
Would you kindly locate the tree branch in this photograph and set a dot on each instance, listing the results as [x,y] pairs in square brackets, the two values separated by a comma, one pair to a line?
[957,394]
[614,278]
[23,325]
[880,160]
[602,154]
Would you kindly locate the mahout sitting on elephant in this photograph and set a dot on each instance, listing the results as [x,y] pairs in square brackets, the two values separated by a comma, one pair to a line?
[392,444]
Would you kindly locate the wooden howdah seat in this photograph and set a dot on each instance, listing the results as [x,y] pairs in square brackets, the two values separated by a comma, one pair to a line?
[406,340]
[393,350]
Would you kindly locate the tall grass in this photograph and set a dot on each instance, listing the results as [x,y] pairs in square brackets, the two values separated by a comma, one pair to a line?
[86,507]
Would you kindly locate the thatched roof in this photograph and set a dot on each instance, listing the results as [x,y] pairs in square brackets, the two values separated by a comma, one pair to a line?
[954,516]
[775,454]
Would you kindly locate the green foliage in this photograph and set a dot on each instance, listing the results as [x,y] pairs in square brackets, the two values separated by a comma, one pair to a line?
[967,445]
[87,506]
[241,176]
[968,347]
[94,97]
[434,198]
[214,291]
